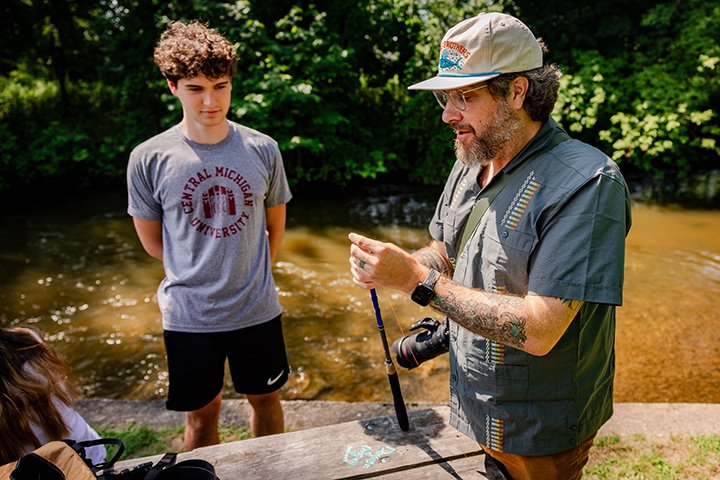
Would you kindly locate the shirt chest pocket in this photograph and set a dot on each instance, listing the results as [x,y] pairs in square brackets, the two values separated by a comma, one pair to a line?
[453,224]
[505,260]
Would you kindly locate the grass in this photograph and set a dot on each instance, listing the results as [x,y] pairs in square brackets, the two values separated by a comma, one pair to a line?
[665,458]
[141,441]
[611,458]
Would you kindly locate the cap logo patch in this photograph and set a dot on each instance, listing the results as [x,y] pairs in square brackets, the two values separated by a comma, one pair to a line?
[452,56]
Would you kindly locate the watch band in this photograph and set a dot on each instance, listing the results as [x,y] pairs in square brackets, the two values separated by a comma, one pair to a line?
[425,291]
[432,277]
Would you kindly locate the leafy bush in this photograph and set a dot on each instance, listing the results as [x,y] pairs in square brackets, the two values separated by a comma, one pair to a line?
[328,80]
[653,106]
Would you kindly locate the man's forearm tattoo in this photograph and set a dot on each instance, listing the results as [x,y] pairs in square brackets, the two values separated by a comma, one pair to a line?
[498,318]
[433,259]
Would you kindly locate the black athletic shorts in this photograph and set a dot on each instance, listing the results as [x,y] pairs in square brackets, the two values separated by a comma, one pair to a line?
[196,363]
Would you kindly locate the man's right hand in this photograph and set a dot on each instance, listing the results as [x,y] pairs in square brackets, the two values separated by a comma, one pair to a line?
[374,263]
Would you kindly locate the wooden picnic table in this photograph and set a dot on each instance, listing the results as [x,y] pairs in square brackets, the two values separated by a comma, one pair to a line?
[372,448]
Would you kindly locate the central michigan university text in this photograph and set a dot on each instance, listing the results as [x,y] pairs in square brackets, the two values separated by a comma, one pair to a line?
[219,232]
[194,182]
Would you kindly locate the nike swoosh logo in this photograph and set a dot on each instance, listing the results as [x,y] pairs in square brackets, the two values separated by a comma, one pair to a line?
[273,380]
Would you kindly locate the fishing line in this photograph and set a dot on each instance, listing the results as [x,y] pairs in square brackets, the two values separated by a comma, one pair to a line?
[425,379]
[402,332]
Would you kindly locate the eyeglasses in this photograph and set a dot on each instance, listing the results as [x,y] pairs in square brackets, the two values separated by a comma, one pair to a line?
[456,97]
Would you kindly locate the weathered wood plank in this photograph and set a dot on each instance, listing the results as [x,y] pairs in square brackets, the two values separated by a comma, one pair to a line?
[371,448]
[466,468]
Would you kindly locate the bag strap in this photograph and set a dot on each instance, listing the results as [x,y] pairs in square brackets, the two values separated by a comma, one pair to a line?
[482,203]
[167,460]
[487,196]
[81,446]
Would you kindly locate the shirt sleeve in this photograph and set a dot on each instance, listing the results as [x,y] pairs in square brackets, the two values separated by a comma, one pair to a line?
[581,252]
[141,199]
[80,430]
[279,190]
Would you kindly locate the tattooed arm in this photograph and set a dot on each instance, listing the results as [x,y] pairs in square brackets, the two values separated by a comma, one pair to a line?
[435,256]
[532,323]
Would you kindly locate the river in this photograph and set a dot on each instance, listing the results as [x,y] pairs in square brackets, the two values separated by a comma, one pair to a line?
[73,268]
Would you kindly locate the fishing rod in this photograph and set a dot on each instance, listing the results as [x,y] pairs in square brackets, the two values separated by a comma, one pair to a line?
[400,410]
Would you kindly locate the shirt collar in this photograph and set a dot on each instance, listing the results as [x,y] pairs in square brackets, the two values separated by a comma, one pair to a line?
[541,139]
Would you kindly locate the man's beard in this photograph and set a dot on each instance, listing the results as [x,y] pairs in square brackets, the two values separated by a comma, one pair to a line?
[496,135]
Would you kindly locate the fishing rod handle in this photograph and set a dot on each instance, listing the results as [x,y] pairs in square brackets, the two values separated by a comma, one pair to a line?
[400,410]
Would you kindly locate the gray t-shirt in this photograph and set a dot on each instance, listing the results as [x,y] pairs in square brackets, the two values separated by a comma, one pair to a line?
[211,200]
[556,229]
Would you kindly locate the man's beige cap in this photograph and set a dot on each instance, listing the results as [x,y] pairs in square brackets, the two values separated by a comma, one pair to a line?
[481,48]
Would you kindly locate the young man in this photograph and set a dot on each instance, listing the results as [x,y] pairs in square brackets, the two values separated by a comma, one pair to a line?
[530,279]
[208,199]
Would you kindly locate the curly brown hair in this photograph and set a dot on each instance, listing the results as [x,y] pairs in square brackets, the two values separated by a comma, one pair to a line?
[543,84]
[189,50]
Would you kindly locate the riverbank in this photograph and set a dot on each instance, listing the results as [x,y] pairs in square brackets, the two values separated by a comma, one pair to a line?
[644,419]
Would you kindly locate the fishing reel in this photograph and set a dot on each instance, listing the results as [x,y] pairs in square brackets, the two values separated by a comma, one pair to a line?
[412,350]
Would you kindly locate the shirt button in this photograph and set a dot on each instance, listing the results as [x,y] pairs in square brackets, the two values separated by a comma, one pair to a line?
[505,234]
[571,443]
[573,428]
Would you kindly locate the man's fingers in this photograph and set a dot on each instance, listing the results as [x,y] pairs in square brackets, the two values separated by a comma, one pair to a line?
[360,277]
[362,252]
[366,286]
[364,243]
[359,267]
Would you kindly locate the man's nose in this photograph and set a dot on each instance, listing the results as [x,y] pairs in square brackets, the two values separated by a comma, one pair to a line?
[451,114]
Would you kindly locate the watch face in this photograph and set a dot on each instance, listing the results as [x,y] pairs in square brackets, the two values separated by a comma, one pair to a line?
[422,294]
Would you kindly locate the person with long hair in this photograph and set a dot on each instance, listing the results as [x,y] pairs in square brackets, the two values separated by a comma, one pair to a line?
[36,397]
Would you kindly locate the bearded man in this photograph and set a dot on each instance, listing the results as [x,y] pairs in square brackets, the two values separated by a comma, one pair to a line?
[526,259]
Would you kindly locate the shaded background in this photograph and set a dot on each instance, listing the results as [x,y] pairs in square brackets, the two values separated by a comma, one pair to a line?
[327,79]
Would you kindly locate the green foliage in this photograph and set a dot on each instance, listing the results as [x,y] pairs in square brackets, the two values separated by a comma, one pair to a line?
[653,106]
[42,141]
[303,98]
[582,95]
[328,80]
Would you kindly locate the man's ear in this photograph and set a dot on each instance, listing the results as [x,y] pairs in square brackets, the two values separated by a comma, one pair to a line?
[173,87]
[518,91]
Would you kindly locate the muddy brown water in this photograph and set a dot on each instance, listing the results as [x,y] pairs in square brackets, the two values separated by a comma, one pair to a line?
[72,267]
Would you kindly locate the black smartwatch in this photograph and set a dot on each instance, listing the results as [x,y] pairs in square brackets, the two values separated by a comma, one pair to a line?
[425,291]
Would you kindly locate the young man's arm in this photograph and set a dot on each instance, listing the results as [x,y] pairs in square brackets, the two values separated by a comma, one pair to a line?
[150,234]
[275,219]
